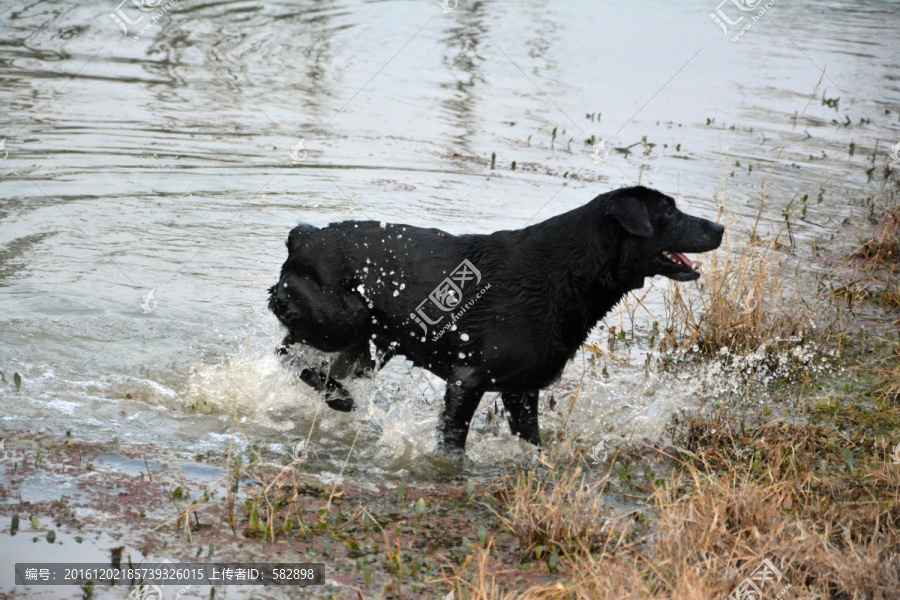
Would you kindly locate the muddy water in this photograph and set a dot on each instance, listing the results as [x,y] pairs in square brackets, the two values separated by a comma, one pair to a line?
[161,160]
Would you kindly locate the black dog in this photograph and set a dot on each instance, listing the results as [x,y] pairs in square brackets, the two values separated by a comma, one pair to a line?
[501,312]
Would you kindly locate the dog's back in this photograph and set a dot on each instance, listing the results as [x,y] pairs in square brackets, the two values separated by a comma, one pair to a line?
[341,281]
[498,312]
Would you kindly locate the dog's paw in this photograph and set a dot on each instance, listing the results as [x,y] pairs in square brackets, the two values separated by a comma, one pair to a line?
[341,403]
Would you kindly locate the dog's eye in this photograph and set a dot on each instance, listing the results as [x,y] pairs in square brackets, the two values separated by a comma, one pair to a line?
[670,212]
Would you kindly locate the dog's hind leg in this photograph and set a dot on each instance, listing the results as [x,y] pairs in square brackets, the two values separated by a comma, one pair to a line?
[523,415]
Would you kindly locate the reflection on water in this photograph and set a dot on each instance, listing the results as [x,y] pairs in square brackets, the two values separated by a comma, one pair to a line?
[164,163]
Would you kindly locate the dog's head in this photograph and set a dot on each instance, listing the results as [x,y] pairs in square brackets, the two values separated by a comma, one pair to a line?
[658,234]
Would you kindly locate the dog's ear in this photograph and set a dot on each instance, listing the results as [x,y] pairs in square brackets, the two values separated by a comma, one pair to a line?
[631,215]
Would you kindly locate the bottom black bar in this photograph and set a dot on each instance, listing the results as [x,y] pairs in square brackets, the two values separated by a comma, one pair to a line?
[172,573]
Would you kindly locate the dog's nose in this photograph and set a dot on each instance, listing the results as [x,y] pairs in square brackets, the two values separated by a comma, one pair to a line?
[717,228]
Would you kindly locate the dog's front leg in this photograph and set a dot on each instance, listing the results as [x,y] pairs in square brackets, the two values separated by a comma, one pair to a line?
[460,403]
[523,415]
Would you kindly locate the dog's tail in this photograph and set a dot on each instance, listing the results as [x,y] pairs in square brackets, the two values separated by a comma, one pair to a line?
[297,235]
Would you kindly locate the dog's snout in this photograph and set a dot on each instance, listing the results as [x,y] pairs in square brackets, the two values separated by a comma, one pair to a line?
[701,235]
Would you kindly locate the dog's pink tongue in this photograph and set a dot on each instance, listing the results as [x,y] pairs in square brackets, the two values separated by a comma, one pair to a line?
[685,260]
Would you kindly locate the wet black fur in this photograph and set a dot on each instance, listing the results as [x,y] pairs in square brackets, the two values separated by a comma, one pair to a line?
[550,283]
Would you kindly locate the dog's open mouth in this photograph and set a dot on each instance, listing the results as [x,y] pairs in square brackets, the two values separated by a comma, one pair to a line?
[677,266]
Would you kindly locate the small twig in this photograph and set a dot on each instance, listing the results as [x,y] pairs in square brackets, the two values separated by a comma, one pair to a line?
[334,487]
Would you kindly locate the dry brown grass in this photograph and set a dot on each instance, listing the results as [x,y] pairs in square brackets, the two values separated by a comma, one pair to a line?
[560,513]
[746,299]
[883,249]
[745,495]
[742,304]
[754,315]
[878,261]
[888,385]
[877,279]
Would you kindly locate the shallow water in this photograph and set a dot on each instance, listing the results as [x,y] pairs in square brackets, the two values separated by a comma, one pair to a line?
[164,164]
